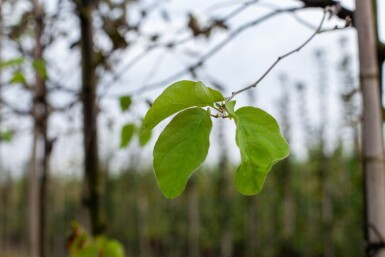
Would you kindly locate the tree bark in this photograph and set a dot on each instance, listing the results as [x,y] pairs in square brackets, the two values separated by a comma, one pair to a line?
[34,211]
[39,174]
[372,138]
[93,177]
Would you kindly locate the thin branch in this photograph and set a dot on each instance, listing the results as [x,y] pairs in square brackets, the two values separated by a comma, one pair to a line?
[214,50]
[317,31]
[170,44]
[240,9]
[14,109]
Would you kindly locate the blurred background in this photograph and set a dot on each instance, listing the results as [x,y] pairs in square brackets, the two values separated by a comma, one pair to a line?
[75,73]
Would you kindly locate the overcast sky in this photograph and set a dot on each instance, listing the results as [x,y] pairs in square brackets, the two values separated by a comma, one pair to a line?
[238,64]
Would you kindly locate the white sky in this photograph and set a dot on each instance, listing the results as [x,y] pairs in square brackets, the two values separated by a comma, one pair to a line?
[236,65]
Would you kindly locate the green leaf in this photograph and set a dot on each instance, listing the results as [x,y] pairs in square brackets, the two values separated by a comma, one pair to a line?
[126,135]
[6,136]
[17,78]
[88,251]
[230,109]
[261,144]
[144,138]
[181,148]
[11,62]
[113,248]
[179,96]
[39,66]
[125,102]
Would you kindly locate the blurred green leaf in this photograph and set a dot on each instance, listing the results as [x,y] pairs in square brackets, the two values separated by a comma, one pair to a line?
[6,136]
[261,144]
[126,134]
[180,149]
[230,109]
[18,78]
[125,102]
[40,67]
[179,96]
[144,138]
[12,62]
[109,247]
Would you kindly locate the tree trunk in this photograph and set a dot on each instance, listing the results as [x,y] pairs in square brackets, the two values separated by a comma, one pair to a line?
[40,114]
[372,138]
[93,178]
[34,211]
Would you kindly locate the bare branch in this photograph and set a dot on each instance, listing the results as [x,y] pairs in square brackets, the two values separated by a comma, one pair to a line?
[232,35]
[318,30]
[14,109]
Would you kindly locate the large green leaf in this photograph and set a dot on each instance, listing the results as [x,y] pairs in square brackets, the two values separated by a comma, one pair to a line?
[179,96]
[181,148]
[261,144]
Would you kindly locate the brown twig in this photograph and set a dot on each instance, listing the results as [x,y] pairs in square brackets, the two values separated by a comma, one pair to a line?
[280,58]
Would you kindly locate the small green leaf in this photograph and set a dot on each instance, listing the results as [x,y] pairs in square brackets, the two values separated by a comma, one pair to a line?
[181,148]
[230,109]
[39,66]
[144,138]
[6,136]
[17,78]
[11,62]
[126,135]
[261,144]
[179,96]
[125,102]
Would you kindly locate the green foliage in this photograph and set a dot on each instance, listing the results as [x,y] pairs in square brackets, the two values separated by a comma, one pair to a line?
[40,68]
[180,149]
[17,78]
[125,102]
[177,97]
[183,145]
[80,244]
[11,62]
[129,131]
[6,136]
[126,134]
[144,138]
[261,144]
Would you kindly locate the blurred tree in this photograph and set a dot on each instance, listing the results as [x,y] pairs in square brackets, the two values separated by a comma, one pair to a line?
[372,136]
[92,173]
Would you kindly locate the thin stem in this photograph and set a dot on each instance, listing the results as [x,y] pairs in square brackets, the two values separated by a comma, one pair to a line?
[317,31]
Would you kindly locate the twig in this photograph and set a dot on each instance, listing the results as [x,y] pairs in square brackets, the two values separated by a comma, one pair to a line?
[170,44]
[214,50]
[317,31]
[240,9]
